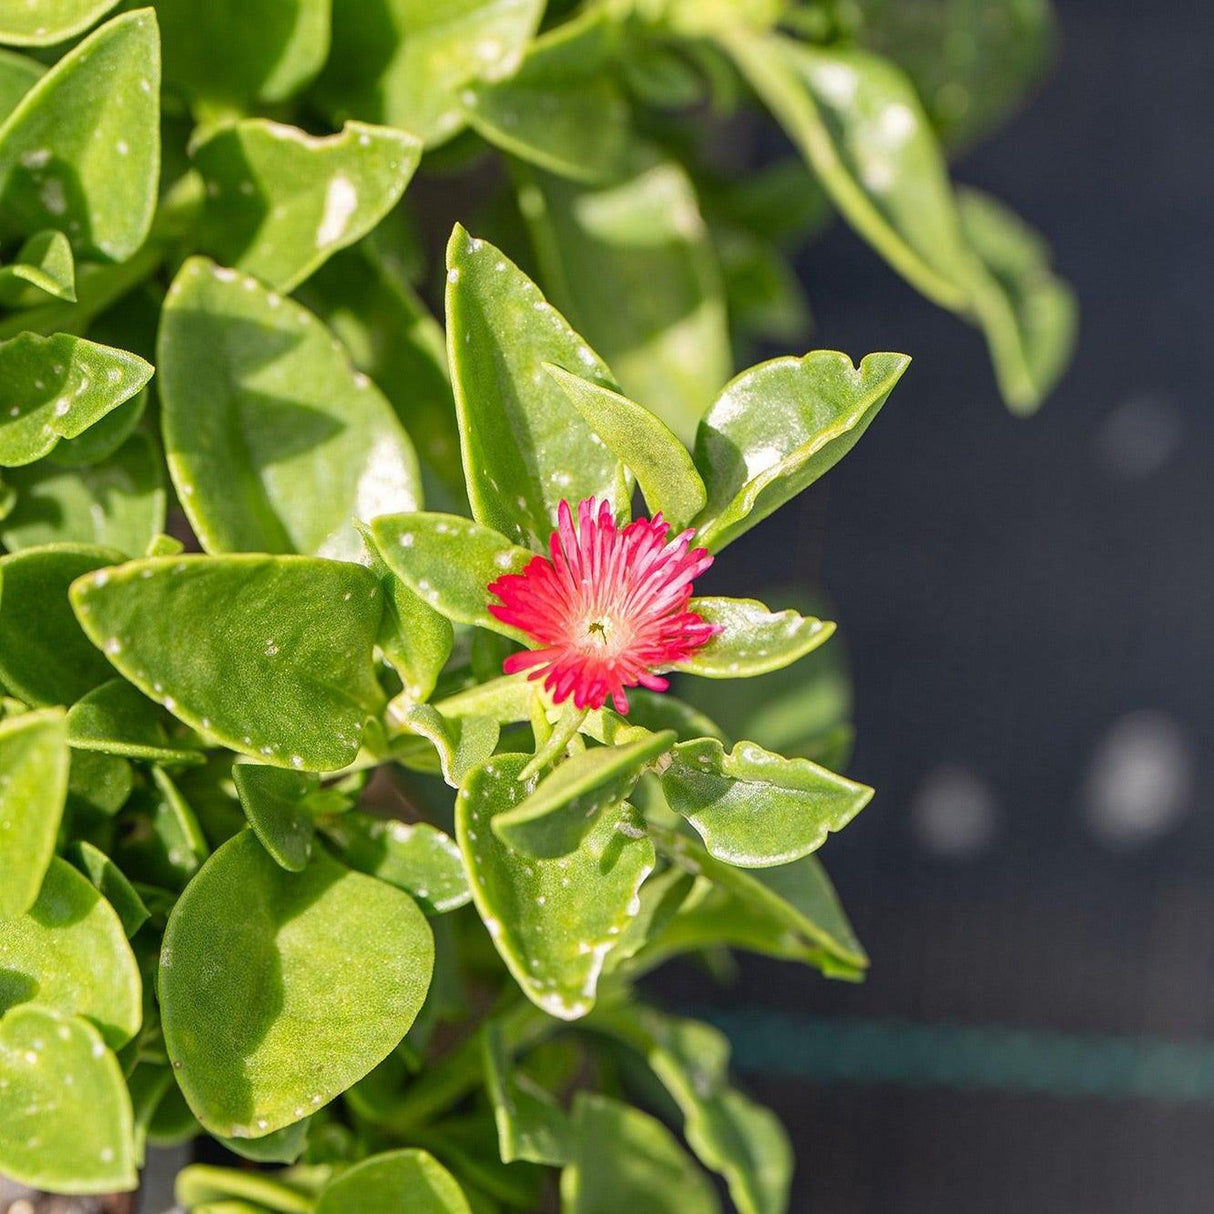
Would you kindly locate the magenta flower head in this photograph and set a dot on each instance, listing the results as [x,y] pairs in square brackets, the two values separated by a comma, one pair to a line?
[609,610]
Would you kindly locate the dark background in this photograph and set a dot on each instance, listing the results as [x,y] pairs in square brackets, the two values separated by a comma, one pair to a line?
[1028,610]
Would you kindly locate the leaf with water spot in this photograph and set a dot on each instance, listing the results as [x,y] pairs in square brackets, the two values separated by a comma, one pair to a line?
[275,443]
[756,809]
[753,640]
[65,1114]
[56,388]
[81,150]
[380,1184]
[280,202]
[69,952]
[332,969]
[270,656]
[43,267]
[552,921]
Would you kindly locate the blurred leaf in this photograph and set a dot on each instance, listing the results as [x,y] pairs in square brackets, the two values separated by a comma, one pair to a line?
[753,640]
[45,22]
[530,1124]
[377,1186]
[18,74]
[43,266]
[333,968]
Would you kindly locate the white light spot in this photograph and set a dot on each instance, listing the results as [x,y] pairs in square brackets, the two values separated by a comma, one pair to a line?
[1139,436]
[53,197]
[341,201]
[954,813]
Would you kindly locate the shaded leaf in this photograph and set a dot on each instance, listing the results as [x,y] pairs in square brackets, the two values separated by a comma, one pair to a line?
[110,881]
[530,1123]
[43,266]
[118,719]
[18,74]
[273,801]
[459,742]
[392,1181]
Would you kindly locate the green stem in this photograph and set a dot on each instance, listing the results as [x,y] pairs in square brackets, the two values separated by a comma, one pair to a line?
[563,733]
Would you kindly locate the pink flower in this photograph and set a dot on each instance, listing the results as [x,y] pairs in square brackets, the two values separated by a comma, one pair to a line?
[608,610]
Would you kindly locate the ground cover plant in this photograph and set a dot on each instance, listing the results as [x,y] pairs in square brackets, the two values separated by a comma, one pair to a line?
[370,406]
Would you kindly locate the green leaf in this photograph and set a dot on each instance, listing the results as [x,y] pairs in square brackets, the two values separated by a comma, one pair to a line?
[57,387]
[275,443]
[554,819]
[69,952]
[270,656]
[117,503]
[405,62]
[530,1123]
[776,428]
[563,108]
[756,809]
[273,801]
[43,266]
[415,638]
[81,151]
[44,657]
[101,783]
[18,74]
[282,1146]
[413,856]
[552,921]
[202,1187]
[33,788]
[632,267]
[110,881]
[661,897]
[627,1160]
[448,562]
[754,640]
[163,843]
[333,968]
[380,1184]
[729,1133]
[65,1114]
[117,719]
[225,54]
[1030,315]
[460,742]
[103,438]
[524,448]
[648,449]
[48,21]
[280,202]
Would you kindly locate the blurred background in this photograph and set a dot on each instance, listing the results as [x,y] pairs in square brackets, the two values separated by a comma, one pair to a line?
[1027,609]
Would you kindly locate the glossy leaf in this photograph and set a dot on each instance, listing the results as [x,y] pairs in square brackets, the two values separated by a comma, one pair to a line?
[42,267]
[448,562]
[103,438]
[81,151]
[45,659]
[394,1181]
[118,719]
[110,881]
[333,968]
[275,443]
[270,656]
[48,21]
[755,809]
[530,1124]
[552,921]
[778,427]
[117,503]
[69,952]
[627,1160]
[754,640]
[413,856]
[33,788]
[423,57]
[226,54]
[65,1114]
[524,449]
[460,743]
[632,267]
[273,801]
[647,448]
[554,819]
[57,387]
[280,202]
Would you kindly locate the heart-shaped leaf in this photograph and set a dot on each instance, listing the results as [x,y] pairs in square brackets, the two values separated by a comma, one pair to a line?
[117,503]
[552,921]
[69,952]
[117,719]
[625,1159]
[663,468]
[57,387]
[273,801]
[110,881]
[48,21]
[280,202]
[270,656]
[394,1181]
[33,788]
[755,809]
[424,56]
[449,562]
[275,443]
[81,151]
[413,856]
[530,1123]
[753,640]
[558,815]
[778,427]
[333,968]
[44,657]
[43,267]
[524,448]
[65,1114]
